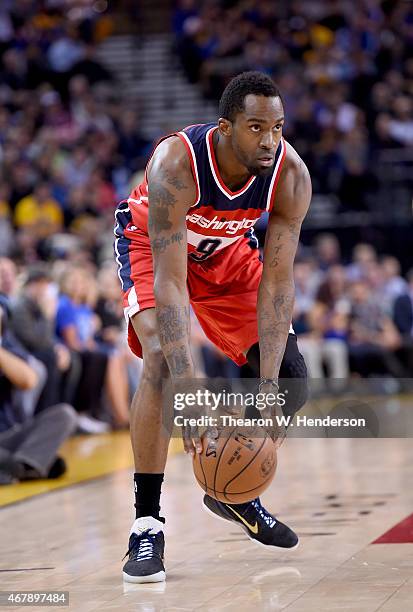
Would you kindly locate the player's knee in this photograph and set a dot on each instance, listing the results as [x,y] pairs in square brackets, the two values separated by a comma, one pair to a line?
[155,367]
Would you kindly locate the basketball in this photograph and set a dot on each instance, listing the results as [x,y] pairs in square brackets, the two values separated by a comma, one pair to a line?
[236,467]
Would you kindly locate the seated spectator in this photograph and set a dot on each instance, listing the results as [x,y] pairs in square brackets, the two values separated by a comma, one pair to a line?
[333,290]
[363,256]
[307,279]
[393,283]
[29,398]
[398,127]
[102,192]
[22,179]
[77,326]
[28,446]
[109,307]
[321,326]
[64,52]
[110,338]
[324,348]
[132,145]
[40,212]
[374,339]
[78,167]
[327,250]
[33,321]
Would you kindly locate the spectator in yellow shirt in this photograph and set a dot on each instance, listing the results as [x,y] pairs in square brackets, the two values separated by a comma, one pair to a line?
[40,212]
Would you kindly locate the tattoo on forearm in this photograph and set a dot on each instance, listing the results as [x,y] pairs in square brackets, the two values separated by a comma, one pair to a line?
[283,307]
[276,256]
[294,227]
[276,251]
[272,344]
[278,241]
[173,323]
[178,361]
[273,326]
[159,245]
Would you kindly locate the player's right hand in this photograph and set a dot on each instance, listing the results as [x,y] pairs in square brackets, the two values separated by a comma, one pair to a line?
[191,439]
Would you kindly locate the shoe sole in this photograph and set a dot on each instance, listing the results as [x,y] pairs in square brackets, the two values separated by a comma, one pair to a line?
[267,546]
[158,577]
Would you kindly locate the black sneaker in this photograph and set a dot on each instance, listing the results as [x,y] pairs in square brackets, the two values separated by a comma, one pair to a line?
[261,526]
[146,548]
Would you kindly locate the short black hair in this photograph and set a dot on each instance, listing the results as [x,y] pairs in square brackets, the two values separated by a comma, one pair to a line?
[252,82]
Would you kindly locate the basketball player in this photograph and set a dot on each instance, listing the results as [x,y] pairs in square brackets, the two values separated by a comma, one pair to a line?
[185,237]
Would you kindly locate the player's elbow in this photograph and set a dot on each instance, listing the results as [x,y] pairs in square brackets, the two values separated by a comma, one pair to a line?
[169,289]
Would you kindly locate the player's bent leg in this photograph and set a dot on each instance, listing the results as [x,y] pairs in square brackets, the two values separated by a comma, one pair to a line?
[150,439]
[150,436]
[293,374]
[260,525]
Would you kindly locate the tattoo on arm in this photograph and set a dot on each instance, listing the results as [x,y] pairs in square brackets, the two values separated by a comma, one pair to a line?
[175,181]
[167,234]
[159,245]
[160,200]
[272,325]
[178,361]
[276,256]
[294,228]
[173,323]
[283,304]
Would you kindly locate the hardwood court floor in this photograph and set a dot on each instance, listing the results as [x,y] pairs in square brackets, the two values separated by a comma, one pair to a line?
[339,494]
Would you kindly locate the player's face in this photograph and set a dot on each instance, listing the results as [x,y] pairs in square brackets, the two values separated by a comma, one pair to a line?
[256,133]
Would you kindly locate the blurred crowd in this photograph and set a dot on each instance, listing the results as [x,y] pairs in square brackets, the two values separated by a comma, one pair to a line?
[68,144]
[345,70]
[355,318]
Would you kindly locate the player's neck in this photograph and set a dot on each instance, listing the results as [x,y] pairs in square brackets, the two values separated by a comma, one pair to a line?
[232,172]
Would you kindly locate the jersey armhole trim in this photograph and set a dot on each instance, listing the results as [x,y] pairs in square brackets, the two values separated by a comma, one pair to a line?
[276,176]
[192,158]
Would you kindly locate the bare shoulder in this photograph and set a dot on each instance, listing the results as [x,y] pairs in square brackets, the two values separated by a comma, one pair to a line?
[294,166]
[170,158]
[170,181]
[294,189]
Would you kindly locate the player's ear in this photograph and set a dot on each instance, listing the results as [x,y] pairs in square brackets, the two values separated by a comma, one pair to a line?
[225,126]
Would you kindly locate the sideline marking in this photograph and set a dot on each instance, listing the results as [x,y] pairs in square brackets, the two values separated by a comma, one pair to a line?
[402,533]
